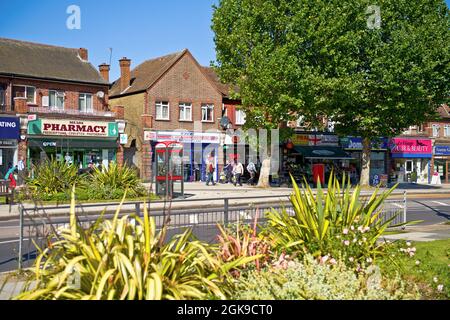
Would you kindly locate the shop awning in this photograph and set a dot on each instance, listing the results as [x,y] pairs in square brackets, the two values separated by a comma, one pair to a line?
[321,152]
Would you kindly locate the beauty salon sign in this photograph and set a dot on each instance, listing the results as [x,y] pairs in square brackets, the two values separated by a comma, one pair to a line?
[411,148]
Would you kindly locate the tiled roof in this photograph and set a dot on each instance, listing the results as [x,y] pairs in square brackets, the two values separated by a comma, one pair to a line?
[146,74]
[41,61]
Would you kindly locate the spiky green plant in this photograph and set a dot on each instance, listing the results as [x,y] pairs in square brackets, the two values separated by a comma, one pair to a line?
[321,222]
[114,180]
[52,177]
[122,259]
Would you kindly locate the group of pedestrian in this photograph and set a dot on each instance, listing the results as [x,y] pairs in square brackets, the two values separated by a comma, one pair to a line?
[233,172]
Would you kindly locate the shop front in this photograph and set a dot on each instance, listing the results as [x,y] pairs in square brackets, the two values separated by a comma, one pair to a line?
[76,142]
[314,157]
[441,162]
[378,157]
[9,136]
[411,160]
[198,148]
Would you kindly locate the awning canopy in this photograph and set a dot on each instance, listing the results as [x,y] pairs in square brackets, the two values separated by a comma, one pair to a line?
[321,152]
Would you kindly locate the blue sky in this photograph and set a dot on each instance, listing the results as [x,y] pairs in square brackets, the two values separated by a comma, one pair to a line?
[137,29]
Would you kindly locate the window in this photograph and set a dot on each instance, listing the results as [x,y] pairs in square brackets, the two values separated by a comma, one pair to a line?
[436,129]
[162,110]
[447,130]
[56,99]
[25,91]
[240,117]
[207,112]
[185,111]
[2,96]
[85,102]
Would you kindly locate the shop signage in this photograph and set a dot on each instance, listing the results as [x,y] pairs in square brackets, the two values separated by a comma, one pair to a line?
[49,144]
[442,150]
[315,140]
[8,143]
[411,148]
[76,128]
[356,143]
[123,138]
[183,137]
[9,128]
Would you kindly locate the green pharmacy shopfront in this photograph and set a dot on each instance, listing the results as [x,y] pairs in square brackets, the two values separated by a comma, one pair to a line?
[77,142]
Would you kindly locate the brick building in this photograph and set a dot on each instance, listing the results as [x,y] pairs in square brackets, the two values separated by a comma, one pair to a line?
[61,104]
[167,95]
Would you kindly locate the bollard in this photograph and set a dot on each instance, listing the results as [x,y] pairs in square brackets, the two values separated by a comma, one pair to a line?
[137,208]
[20,237]
[225,211]
[404,208]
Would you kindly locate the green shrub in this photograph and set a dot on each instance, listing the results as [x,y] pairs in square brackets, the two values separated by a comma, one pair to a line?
[112,182]
[311,280]
[126,259]
[52,177]
[338,223]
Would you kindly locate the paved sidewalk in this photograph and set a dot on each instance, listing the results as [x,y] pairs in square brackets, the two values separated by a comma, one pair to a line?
[422,233]
[207,196]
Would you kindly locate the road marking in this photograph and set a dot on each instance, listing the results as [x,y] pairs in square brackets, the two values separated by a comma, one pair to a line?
[12,241]
[440,203]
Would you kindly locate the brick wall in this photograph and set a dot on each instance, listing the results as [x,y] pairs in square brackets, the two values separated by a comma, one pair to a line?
[72,92]
[184,83]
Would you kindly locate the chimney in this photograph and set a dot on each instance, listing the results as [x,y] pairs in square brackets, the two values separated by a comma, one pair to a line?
[125,74]
[83,53]
[104,71]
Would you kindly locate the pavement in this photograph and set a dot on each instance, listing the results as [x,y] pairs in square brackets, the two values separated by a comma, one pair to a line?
[201,196]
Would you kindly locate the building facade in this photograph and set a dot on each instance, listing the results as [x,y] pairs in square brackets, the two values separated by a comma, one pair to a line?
[61,104]
[171,98]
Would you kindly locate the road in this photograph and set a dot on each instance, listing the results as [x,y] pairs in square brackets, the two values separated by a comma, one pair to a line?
[430,209]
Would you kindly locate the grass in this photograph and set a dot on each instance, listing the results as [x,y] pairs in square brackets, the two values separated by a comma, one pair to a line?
[433,264]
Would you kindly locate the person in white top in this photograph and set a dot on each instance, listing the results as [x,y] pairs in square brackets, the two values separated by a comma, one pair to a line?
[21,171]
[238,171]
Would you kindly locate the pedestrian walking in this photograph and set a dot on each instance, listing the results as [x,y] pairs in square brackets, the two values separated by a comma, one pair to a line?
[251,168]
[10,176]
[228,169]
[238,171]
[210,173]
[21,171]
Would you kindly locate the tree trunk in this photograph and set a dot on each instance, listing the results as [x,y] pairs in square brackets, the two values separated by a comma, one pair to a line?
[263,181]
[365,169]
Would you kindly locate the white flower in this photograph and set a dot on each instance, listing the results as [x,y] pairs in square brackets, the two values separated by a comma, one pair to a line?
[352,228]
[440,287]
[333,261]
[417,262]
[360,243]
[408,244]
[413,249]
[369,260]
[324,259]
[345,231]
[338,237]
[360,229]
[347,243]
[387,241]
[351,259]
[366,229]
[411,254]
[364,239]
[354,240]
[435,279]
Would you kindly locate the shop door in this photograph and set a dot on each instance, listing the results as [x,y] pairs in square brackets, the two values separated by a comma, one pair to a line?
[441,167]
[409,166]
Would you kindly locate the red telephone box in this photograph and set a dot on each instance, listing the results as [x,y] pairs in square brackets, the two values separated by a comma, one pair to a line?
[318,173]
[169,168]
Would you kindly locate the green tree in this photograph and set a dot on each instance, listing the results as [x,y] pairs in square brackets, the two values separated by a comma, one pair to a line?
[373,67]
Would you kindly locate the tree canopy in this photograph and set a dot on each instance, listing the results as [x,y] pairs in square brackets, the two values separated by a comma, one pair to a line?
[330,57]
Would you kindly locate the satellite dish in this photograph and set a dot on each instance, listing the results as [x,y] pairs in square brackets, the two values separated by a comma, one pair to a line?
[101,94]
[225,122]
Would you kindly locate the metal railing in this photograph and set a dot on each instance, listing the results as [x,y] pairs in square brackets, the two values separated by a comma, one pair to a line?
[36,224]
